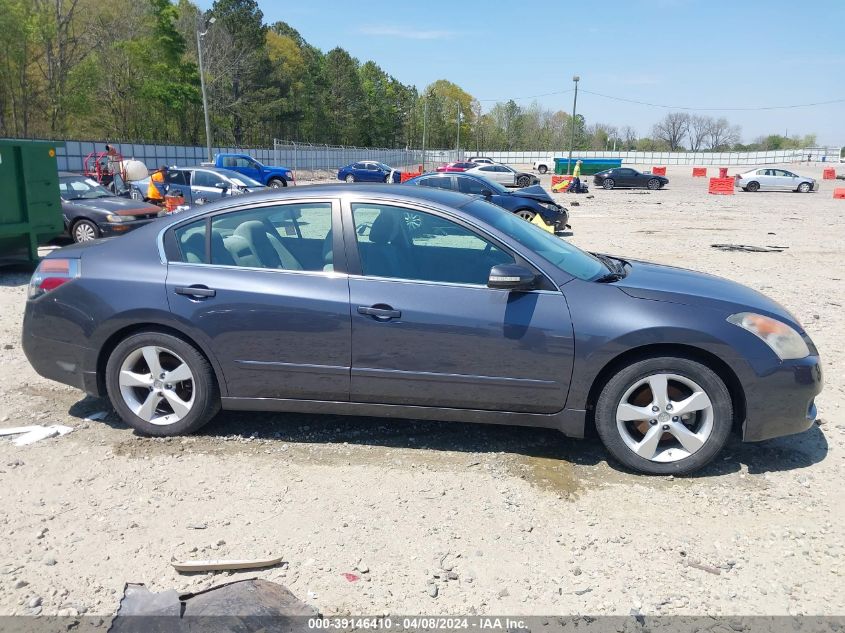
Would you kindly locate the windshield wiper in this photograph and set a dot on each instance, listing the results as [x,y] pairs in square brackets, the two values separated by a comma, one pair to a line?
[615,268]
[614,276]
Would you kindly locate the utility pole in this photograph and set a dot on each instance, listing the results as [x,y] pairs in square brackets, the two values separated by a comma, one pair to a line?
[425,127]
[200,35]
[576,79]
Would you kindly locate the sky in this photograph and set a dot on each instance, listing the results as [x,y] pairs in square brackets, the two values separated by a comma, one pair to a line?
[715,56]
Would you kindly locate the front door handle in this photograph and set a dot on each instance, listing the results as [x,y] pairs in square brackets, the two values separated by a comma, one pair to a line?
[195,291]
[380,312]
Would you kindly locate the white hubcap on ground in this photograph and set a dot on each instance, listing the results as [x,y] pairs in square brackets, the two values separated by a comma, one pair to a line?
[665,417]
[157,385]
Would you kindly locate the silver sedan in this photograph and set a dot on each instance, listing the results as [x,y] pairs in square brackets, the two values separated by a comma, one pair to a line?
[775,180]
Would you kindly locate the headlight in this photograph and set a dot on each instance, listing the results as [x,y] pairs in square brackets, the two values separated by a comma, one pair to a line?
[120,218]
[784,341]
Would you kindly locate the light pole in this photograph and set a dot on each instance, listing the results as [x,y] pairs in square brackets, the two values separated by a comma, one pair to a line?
[200,35]
[458,142]
[425,125]
[576,79]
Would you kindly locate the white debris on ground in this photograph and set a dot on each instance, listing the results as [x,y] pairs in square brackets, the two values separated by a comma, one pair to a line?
[32,434]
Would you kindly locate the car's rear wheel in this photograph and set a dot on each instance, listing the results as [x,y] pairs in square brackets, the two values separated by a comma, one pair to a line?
[804,187]
[161,385]
[350,178]
[526,214]
[277,183]
[523,181]
[608,183]
[653,184]
[542,169]
[664,415]
[753,186]
[85,231]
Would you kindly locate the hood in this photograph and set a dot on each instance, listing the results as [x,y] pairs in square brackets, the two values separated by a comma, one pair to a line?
[282,171]
[679,285]
[535,192]
[116,205]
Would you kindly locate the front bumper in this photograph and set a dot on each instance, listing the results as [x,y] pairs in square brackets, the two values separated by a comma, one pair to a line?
[110,229]
[782,400]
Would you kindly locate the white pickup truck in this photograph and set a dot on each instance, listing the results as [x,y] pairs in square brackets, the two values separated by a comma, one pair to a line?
[544,165]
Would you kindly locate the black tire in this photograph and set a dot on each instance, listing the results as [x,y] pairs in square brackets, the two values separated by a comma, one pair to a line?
[618,384]
[653,184]
[608,183]
[753,186]
[526,214]
[542,169]
[206,399]
[84,231]
[804,187]
[277,183]
[523,181]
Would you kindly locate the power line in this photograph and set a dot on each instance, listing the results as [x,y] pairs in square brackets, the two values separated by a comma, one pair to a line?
[751,108]
[672,107]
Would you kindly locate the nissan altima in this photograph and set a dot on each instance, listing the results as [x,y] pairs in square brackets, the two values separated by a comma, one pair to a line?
[320,299]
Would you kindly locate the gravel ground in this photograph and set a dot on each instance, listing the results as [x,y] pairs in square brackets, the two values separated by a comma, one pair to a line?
[451,518]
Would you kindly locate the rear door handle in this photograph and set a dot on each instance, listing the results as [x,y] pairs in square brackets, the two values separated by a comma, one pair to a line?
[195,291]
[380,312]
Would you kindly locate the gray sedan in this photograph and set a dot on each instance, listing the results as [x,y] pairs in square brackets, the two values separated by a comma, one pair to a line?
[772,179]
[320,300]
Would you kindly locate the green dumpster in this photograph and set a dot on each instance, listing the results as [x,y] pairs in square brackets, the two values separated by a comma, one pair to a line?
[30,208]
[589,166]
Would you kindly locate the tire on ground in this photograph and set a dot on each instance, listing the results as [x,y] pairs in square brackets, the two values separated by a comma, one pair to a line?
[206,391]
[614,389]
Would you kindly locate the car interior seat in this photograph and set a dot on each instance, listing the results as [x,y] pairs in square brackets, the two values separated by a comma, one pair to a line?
[265,247]
[387,254]
[328,251]
[193,248]
[219,253]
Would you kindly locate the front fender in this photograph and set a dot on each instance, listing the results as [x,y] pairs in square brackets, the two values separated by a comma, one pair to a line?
[608,323]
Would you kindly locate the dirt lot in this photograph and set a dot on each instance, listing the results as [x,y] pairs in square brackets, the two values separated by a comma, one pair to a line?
[447,518]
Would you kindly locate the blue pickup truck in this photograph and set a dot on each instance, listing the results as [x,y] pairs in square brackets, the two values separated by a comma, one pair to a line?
[248,166]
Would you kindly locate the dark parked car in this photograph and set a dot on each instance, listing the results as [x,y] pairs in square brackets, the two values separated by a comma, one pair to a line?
[318,299]
[526,203]
[91,211]
[368,171]
[627,177]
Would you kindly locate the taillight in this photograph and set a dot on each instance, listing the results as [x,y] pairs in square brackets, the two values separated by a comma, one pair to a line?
[52,273]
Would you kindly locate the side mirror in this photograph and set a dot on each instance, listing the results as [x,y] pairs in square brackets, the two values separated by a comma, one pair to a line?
[222,185]
[511,277]
[487,193]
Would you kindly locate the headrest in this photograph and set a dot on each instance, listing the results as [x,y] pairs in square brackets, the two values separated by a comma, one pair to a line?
[385,227]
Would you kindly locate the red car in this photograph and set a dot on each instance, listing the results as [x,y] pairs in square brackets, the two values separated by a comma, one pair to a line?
[457,166]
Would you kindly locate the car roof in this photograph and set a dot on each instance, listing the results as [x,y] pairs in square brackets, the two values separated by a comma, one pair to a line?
[393,192]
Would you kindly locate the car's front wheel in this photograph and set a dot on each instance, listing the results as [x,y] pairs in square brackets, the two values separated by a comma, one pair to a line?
[804,187]
[85,231]
[523,181]
[161,385]
[542,169]
[350,178]
[664,415]
[526,214]
[277,183]
[653,184]
[608,183]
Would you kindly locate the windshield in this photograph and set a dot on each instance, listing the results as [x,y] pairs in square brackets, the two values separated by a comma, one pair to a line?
[81,188]
[553,249]
[385,167]
[239,179]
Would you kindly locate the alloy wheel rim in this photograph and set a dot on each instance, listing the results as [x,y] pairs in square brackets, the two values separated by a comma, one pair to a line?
[526,215]
[350,178]
[665,417]
[157,385]
[84,232]
[608,183]
[413,221]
